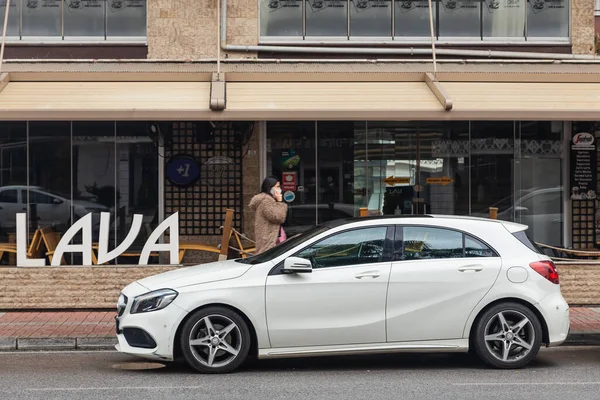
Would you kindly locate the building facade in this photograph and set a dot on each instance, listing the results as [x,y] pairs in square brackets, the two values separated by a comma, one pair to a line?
[159,106]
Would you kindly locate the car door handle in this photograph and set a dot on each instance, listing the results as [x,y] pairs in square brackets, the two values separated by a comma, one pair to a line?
[474,268]
[368,274]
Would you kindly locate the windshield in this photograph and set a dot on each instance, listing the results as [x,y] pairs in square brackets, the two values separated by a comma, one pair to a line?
[285,246]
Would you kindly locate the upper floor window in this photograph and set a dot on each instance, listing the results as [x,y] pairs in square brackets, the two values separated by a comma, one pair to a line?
[33,20]
[408,20]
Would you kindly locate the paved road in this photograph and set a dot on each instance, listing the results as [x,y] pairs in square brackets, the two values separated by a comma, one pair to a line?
[564,373]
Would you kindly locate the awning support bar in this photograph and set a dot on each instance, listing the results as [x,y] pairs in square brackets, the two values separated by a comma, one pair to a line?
[439,92]
[4,79]
[218,96]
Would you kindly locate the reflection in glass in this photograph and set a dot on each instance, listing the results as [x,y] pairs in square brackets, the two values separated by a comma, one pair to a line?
[503,18]
[335,154]
[412,18]
[137,182]
[281,18]
[459,18]
[547,18]
[125,18]
[431,243]
[49,198]
[13,17]
[84,18]
[13,177]
[42,18]
[370,18]
[326,18]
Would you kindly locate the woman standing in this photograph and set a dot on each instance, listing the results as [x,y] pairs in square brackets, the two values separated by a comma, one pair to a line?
[271,212]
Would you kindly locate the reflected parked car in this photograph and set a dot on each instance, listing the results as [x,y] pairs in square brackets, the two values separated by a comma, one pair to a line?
[302,217]
[53,209]
[356,286]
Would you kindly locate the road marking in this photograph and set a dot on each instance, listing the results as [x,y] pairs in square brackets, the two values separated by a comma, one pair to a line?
[73,389]
[524,383]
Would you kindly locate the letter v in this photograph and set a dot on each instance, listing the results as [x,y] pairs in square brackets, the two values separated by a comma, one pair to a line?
[103,254]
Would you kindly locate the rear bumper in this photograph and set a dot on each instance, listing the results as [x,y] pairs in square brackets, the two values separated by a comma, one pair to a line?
[555,311]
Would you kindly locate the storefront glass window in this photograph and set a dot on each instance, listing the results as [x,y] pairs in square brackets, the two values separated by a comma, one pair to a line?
[412,18]
[13,177]
[42,18]
[281,18]
[503,18]
[326,17]
[125,18]
[547,18]
[459,19]
[371,18]
[137,180]
[13,17]
[392,168]
[84,18]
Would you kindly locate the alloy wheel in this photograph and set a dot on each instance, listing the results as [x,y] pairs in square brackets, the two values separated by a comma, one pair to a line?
[215,341]
[509,336]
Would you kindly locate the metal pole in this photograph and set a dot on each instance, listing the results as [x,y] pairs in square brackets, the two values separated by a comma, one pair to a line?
[4,33]
[219,27]
[432,37]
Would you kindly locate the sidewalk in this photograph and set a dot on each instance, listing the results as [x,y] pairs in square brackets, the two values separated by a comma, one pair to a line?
[96,329]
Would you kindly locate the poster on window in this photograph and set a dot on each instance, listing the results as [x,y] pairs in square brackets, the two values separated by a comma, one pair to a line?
[126,18]
[281,18]
[583,165]
[42,18]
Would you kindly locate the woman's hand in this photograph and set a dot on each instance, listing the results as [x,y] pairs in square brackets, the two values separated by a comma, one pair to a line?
[278,196]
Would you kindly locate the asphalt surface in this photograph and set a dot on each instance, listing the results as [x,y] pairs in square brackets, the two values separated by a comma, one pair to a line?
[562,373]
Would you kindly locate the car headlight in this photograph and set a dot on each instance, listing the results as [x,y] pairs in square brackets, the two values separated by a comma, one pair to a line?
[153,301]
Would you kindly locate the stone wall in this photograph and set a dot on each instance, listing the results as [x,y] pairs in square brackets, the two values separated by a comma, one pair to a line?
[583,26]
[99,287]
[187,29]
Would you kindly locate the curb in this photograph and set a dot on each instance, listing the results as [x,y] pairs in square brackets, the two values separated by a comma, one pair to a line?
[57,343]
[583,339]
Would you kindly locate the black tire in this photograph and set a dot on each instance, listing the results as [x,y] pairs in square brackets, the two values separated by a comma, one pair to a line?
[238,339]
[492,351]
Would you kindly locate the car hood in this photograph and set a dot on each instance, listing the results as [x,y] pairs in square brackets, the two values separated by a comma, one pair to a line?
[188,276]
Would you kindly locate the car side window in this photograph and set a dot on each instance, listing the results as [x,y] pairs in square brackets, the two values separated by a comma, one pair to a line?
[8,196]
[421,243]
[425,243]
[357,246]
[475,248]
[39,198]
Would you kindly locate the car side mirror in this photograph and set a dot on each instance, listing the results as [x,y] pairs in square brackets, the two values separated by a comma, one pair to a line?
[294,265]
[57,201]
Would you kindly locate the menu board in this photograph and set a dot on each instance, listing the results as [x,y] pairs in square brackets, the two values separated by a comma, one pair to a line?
[583,165]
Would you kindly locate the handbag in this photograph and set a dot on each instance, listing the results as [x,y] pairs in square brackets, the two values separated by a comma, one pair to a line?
[282,236]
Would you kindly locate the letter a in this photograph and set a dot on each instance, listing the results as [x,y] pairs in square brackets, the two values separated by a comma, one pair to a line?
[64,246]
[171,223]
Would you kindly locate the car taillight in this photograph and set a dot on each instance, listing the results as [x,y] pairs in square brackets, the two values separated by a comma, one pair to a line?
[547,269]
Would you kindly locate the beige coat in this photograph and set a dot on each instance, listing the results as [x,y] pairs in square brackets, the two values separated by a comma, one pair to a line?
[270,214]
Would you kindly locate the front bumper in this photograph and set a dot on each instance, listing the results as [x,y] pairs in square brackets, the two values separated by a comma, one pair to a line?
[149,335]
[555,311]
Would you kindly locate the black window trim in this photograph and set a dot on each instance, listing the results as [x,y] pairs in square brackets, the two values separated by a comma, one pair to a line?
[387,247]
[399,244]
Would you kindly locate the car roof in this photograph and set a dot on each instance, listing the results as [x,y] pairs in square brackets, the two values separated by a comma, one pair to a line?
[511,226]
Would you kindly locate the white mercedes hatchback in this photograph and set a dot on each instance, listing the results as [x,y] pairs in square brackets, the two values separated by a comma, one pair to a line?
[356,286]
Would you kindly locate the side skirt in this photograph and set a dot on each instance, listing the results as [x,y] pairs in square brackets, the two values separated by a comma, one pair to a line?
[437,346]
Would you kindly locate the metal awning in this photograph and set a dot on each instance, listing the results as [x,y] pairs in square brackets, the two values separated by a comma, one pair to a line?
[545,101]
[105,101]
[331,100]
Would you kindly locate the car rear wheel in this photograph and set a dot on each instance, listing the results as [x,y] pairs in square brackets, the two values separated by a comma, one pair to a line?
[508,335]
[215,340]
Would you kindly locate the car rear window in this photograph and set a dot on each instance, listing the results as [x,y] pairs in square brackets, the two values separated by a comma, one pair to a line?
[523,238]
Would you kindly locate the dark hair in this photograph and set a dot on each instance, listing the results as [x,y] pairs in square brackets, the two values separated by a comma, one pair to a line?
[268,183]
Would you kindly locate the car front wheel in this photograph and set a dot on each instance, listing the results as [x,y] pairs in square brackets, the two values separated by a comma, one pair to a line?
[215,340]
[508,335]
